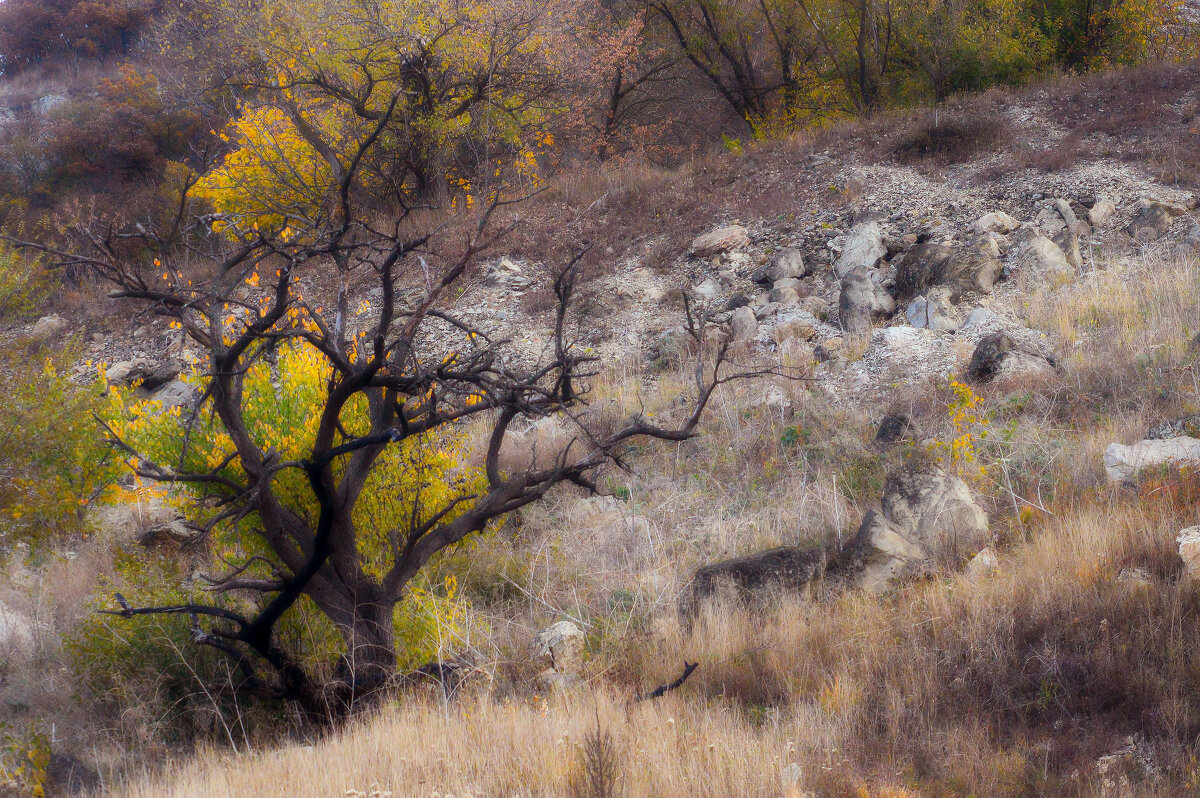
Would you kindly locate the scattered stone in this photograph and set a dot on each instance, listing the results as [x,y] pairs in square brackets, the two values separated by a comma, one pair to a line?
[1123,463]
[48,327]
[861,301]
[997,222]
[751,579]
[720,241]
[862,249]
[784,263]
[743,326]
[787,282]
[927,520]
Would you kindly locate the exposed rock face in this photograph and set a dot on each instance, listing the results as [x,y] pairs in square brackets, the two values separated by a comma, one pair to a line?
[863,249]
[998,355]
[928,519]
[720,241]
[996,222]
[862,301]
[753,578]
[933,312]
[783,264]
[961,270]
[1123,463]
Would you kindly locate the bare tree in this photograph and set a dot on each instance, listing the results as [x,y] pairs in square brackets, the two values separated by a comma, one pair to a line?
[183,268]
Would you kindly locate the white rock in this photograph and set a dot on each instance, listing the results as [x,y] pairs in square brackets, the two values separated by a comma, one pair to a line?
[863,248]
[996,222]
[1102,213]
[562,644]
[1122,463]
[1189,549]
[743,326]
[49,327]
[720,241]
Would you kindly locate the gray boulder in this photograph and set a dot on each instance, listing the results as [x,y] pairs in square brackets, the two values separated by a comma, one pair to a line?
[962,270]
[933,312]
[998,355]
[783,264]
[862,249]
[720,241]
[861,301]
[927,520]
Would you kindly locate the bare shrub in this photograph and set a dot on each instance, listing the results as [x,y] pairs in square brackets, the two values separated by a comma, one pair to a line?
[951,137]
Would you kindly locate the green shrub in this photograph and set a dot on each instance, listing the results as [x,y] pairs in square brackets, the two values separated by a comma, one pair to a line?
[53,461]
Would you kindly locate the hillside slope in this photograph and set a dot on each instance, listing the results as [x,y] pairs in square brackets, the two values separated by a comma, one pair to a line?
[996,291]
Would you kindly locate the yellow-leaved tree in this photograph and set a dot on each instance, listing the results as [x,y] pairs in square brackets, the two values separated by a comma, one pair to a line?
[452,98]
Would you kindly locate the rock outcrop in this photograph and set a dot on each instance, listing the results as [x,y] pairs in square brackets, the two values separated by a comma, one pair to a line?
[1124,463]
[927,520]
[861,301]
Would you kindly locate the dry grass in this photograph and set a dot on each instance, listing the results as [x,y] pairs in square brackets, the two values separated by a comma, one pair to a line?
[1004,687]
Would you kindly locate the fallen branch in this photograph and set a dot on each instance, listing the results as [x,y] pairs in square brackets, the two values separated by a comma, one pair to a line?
[663,689]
